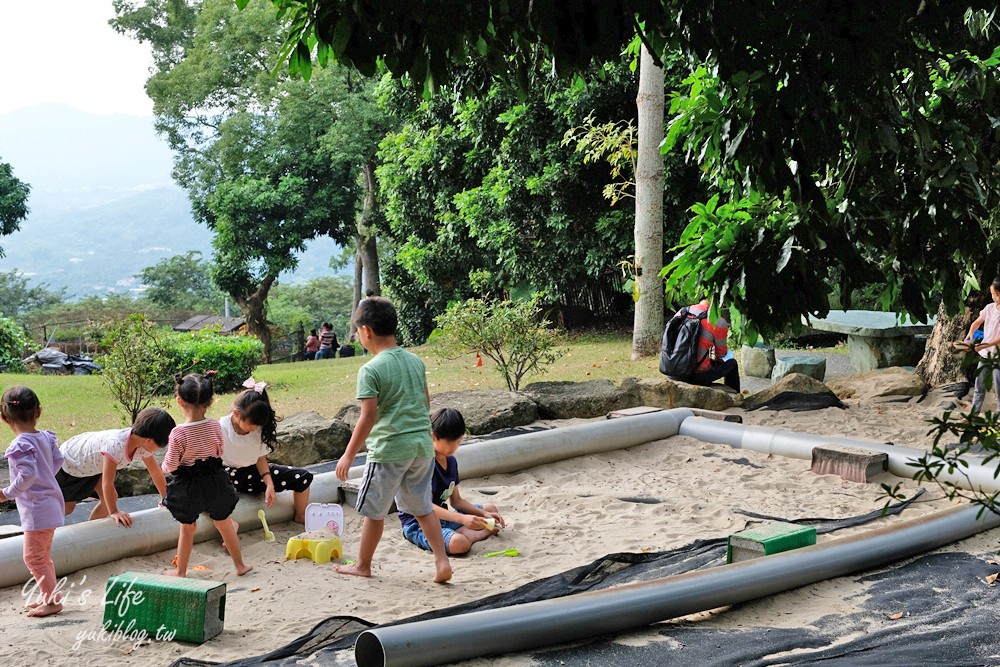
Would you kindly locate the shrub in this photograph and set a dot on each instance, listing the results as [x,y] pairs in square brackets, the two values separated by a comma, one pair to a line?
[135,366]
[233,358]
[13,344]
[510,334]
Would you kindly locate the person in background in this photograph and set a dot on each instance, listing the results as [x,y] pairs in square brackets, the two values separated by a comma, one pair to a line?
[312,346]
[327,342]
[716,362]
[989,319]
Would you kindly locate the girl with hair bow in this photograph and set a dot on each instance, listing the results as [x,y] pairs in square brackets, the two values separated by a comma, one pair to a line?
[249,434]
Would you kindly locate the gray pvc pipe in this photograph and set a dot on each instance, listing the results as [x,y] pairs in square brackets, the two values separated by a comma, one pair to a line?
[93,543]
[800,445]
[586,615]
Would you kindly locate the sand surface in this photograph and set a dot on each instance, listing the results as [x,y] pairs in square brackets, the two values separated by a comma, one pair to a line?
[559,516]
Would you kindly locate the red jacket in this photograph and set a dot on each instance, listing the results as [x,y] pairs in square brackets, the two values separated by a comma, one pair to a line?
[713,337]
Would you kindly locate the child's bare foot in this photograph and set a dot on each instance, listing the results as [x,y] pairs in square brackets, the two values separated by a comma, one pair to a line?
[33,605]
[243,569]
[45,610]
[443,573]
[173,573]
[354,570]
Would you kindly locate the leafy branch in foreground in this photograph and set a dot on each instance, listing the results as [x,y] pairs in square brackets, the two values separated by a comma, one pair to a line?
[511,334]
[948,464]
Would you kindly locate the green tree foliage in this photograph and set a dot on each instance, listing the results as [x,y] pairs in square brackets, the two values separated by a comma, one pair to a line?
[13,201]
[465,194]
[16,298]
[249,147]
[14,344]
[511,334]
[890,174]
[326,299]
[135,365]
[182,282]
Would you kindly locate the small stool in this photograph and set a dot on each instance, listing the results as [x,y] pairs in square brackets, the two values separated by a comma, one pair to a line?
[768,539]
[321,541]
[166,608]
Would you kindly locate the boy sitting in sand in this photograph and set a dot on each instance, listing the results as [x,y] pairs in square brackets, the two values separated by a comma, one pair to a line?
[91,462]
[394,421]
[465,523]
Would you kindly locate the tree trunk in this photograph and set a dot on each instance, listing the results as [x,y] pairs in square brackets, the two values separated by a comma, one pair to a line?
[358,286]
[647,328]
[941,364]
[369,248]
[254,307]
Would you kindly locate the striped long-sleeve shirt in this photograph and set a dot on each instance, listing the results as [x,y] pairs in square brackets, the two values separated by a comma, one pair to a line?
[192,441]
[713,337]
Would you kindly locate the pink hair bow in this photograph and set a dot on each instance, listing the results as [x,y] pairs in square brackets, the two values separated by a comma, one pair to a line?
[258,387]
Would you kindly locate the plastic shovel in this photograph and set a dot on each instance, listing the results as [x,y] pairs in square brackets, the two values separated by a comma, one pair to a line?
[268,535]
[513,551]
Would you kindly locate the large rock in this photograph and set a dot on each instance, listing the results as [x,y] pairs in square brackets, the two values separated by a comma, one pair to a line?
[807,364]
[349,414]
[572,400]
[757,361]
[488,410]
[135,480]
[894,381]
[792,385]
[305,438]
[667,393]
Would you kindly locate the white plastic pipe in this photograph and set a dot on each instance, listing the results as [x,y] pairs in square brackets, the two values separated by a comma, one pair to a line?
[977,476]
[587,615]
[91,543]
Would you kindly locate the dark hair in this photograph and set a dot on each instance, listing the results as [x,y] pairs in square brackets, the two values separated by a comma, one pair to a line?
[996,284]
[447,424]
[312,332]
[378,314]
[195,388]
[19,404]
[255,407]
[155,424]
[369,293]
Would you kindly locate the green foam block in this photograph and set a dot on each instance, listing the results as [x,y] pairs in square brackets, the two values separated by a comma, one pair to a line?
[164,607]
[768,539]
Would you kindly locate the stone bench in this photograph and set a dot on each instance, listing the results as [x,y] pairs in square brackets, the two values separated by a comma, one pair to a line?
[874,339]
[807,364]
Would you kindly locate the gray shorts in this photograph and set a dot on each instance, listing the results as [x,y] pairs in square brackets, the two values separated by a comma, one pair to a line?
[409,482]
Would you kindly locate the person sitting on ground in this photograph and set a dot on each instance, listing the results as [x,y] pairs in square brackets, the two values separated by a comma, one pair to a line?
[715,360]
[312,346]
[327,342]
[91,462]
[464,523]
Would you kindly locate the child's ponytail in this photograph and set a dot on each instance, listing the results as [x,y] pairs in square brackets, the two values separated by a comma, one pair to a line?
[195,389]
[19,404]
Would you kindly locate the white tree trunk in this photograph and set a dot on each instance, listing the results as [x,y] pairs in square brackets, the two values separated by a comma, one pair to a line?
[647,328]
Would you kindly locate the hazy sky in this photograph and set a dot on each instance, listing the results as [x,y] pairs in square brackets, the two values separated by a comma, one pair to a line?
[64,51]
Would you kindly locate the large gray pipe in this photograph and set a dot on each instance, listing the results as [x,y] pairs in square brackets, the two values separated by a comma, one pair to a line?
[93,543]
[584,616]
[800,445]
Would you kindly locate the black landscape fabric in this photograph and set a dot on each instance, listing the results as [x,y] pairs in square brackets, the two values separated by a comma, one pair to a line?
[936,610]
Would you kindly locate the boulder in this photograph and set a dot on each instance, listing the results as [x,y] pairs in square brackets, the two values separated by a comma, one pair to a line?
[488,410]
[572,400]
[794,385]
[349,414]
[667,393]
[305,438]
[893,381]
[807,364]
[757,361]
[135,480]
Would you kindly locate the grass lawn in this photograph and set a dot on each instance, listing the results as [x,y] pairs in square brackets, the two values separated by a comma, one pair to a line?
[73,404]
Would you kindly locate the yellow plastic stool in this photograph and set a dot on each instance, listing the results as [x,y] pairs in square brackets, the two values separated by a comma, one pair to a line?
[318,550]
[321,541]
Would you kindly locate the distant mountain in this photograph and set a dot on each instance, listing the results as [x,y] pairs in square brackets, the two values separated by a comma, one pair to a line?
[103,206]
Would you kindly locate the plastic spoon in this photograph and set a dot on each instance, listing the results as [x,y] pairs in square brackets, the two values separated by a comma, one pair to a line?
[513,551]
[268,535]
